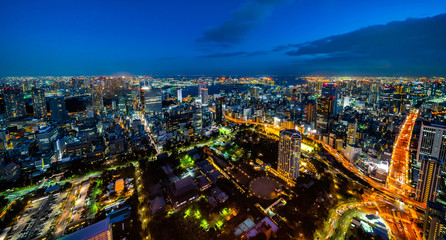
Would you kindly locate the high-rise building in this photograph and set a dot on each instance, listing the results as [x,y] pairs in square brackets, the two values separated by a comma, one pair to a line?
[432,141]
[97,97]
[57,108]
[198,122]
[201,86]
[351,133]
[180,95]
[14,103]
[289,153]
[219,110]
[203,92]
[204,96]
[39,103]
[434,226]
[310,112]
[374,93]
[152,98]
[429,179]
[330,90]
[431,154]
[323,114]
[386,96]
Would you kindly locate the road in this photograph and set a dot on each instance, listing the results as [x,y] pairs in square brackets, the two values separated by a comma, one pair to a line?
[397,180]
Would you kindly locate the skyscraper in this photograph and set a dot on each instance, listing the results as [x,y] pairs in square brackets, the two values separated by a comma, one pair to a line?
[39,103]
[219,110]
[323,114]
[204,96]
[374,93]
[200,86]
[330,90]
[57,108]
[434,226]
[14,103]
[203,92]
[428,179]
[310,112]
[152,98]
[97,97]
[386,95]
[289,153]
[198,122]
[180,95]
[431,155]
[432,141]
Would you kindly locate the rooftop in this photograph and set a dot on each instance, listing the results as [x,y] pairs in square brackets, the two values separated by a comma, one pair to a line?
[90,231]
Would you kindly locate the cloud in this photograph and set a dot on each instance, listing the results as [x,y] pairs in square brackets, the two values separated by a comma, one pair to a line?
[247,17]
[285,47]
[234,54]
[414,46]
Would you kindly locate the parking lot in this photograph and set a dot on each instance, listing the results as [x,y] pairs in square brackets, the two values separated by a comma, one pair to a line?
[38,218]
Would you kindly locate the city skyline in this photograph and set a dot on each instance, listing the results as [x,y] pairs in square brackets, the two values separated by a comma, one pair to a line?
[249,37]
[223,120]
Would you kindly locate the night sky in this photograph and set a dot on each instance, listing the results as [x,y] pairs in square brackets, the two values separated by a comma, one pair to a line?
[379,37]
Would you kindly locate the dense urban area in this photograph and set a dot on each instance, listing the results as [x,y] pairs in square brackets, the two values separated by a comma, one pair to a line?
[213,157]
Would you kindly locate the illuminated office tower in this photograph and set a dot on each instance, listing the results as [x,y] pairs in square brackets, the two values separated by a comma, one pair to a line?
[310,112]
[39,103]
[180,95]
[431,155]
[434,226]
[330,90]
[152,98]
[374,93]
[198,122]
[386,96]
[14,103]
[201,86]
[203,92]
[324,113]
[97,98]
[289,153]
[351,133]
[57,108]
[428,179]
[204,96]
[432,141]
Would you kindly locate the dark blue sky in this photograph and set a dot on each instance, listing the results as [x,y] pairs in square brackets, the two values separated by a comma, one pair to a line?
[210,37]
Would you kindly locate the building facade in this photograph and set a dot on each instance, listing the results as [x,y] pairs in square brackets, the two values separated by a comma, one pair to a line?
[324,111]
[14,103]
[57,108]
[152,98]
[289,153]
[330,90]
[434,226]
[39,103]
[97,98]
